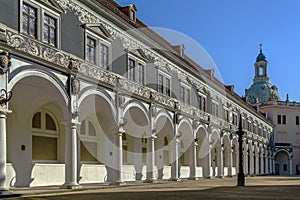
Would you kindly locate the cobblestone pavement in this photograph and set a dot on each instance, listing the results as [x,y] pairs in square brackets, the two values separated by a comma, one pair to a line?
[262,187]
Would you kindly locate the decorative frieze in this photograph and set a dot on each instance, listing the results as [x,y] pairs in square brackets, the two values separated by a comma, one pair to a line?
[36,48]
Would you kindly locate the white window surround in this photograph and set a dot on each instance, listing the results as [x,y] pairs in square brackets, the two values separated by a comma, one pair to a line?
[137,62]
[187,93]
[47,133]
[41,11]
[87,137]
[99,40]
[165,78]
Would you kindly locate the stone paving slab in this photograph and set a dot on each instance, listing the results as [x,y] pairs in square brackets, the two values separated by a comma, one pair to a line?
[261,187]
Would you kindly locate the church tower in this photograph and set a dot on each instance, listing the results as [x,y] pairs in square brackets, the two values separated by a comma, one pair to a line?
[261,72]
[261,91]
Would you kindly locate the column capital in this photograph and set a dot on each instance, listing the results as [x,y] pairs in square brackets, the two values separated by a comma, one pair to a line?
[72,123]
[4,111]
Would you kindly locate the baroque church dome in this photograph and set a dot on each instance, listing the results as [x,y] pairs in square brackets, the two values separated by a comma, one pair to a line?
[261,90]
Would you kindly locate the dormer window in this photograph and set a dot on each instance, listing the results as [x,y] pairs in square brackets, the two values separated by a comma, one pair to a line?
[132,15]
[130,11]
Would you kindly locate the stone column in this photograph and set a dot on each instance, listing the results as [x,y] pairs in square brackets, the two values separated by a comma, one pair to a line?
[71,156]
[206,164]
[150,160]
[251,173]
[262,166]
[175,159]
[229,153]
[266,164]
[257,163]
[220,163]
[118,177]
[246,163]
[3,113]
[290,166]
[193,161]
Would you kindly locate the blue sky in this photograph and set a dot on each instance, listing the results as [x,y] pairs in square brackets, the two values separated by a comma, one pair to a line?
[231,31]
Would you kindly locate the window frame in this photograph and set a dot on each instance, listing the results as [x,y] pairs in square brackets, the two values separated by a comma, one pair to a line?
[88,47]
[279,120]
[186,92]
[42,10]
[30,5]
[99,41]
[166,78]
[89,138]
[43,132]
[136,73]
[202,102]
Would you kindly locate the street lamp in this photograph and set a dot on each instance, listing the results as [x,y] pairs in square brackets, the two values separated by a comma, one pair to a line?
[241,175]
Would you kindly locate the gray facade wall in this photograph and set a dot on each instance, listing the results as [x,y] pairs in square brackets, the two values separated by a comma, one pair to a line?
[72,35]
[9,13]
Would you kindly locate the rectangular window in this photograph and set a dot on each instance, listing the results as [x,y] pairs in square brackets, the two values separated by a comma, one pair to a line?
[144,154]
[202,103]
[88,151]
[182,94]
[44,148]
[283,119]
[188,96]
[90,50]
[297,120]
[49,31]
[234,119]
[160,83]
[278,119]
[285,167]
[141,73]
[29,20]
[131,66]
[168,87]
[103,56]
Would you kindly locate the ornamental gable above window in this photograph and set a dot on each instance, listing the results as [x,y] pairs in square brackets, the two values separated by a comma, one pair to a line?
[52,4]
[98,29]
[139,54]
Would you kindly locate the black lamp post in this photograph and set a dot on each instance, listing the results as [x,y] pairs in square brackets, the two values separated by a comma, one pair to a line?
[241,175]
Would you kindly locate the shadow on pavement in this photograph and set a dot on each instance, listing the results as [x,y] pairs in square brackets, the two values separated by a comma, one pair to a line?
[249,192]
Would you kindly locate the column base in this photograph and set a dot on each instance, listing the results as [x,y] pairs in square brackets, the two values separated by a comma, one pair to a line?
[118,183]
[175,179]
[72,186]
[208,177]
[150,181]
[220,176]
[3,189]
[193,178]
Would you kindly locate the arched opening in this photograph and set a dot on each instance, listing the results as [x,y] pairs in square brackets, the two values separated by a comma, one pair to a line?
[96,137]
[235,156]
[282,164]
[35,134]
[185,148]
[227,156]
[216,155]
[203,153]
[165,136]
[137,131]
